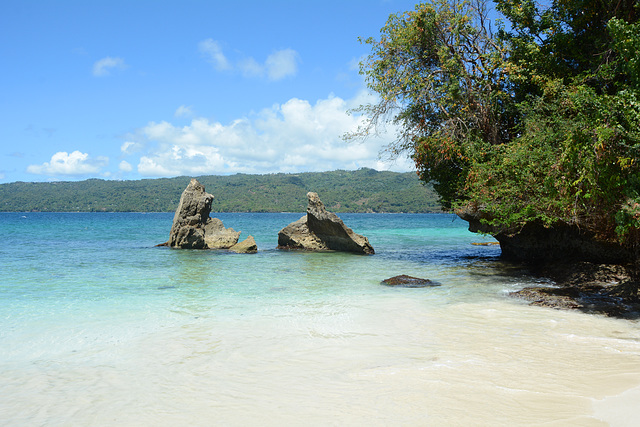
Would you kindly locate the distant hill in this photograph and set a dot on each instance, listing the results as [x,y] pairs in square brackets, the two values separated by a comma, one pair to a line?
[364,190]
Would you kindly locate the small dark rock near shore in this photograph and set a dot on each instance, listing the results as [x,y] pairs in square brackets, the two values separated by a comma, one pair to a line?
[405,281]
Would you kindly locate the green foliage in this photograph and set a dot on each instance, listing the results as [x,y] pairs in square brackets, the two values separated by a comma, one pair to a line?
[438,72]
[365,190]
[546,130]
[575,162]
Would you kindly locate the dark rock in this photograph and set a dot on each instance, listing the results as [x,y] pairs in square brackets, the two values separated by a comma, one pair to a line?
[409,282]
[593,288]
[320,230]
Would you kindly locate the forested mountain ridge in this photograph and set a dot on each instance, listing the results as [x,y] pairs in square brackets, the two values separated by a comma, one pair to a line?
[364,190]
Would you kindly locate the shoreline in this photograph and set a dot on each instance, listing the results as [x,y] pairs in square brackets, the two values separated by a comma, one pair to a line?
[605,289]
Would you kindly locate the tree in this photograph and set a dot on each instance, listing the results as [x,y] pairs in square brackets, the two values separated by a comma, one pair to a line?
[438,72]
[538,122]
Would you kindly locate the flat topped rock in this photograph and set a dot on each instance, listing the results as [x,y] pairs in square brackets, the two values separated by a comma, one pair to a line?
[320,230]
[405,281]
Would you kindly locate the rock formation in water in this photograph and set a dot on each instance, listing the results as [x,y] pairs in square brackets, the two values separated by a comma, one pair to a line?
[247,246]
[193,228]
[189,221]
[320,230]
[405,281]
[216,236]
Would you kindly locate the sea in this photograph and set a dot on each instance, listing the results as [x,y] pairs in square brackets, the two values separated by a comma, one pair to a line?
[98,327]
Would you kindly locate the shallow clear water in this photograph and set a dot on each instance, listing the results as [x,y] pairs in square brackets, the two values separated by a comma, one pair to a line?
[99,327]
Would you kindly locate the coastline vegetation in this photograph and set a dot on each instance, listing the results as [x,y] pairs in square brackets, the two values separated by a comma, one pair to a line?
[534,121]
[364,190]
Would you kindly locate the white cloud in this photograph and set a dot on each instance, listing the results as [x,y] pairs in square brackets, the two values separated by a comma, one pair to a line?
[130,147]
[125,166]
[212,50]
[250,68]
[63,163]
[183,111]
[104,66]
[293,137]
[281,64]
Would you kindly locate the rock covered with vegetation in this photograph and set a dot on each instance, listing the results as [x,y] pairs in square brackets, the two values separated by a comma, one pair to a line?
[321,230]
[530,132]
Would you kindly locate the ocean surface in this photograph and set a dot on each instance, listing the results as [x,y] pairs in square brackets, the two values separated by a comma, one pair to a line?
[100,328]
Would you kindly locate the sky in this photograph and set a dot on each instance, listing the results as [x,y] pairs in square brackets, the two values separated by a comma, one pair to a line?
[145,89]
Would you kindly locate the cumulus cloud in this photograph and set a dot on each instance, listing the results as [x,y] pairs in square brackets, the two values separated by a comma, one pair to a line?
[212,51]
[292,137]
[63,163]
[104,66]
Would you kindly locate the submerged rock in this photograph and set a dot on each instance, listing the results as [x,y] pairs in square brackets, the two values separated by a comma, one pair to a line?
[192,227]
[405,281]
[320,230]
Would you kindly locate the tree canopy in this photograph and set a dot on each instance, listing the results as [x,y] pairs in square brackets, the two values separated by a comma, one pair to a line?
[532,118]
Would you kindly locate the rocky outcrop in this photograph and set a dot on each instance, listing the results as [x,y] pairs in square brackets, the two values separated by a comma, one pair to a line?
[188,229]
[320,230]
[608,289]
[247,246]
[538,243]
[297,236]
[193,228]
[589,273]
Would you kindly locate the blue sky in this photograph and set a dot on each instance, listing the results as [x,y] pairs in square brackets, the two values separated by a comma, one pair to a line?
[143,89]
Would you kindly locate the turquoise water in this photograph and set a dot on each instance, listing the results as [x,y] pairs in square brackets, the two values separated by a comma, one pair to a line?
[99,327]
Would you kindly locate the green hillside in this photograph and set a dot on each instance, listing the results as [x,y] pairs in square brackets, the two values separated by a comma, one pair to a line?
[364,190]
